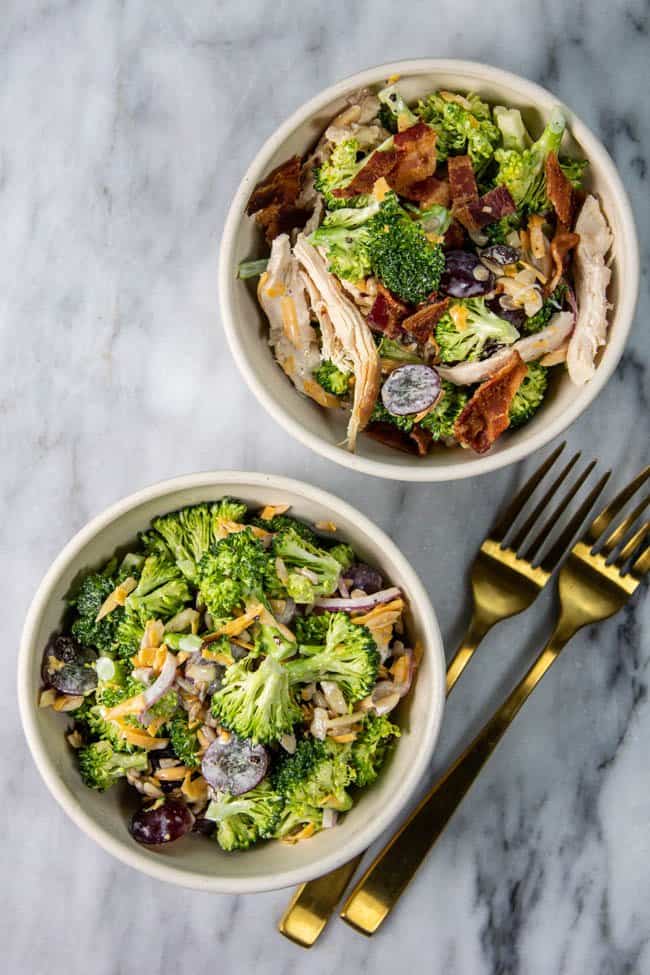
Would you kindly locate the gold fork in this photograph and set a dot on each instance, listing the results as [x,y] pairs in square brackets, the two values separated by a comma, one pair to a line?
[502,586]
[592,587]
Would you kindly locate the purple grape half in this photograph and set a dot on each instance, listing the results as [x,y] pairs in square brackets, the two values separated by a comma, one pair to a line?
[516,316]
[234,766]
[465,276]
[68,667]
[410,389]
[362,576]
[161,824]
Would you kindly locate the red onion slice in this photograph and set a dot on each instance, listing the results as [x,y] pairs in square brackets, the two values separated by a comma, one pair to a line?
[162,683]
[361,602]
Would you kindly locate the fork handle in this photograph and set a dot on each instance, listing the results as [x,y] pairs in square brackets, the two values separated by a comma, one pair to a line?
[387,877]
[313,902]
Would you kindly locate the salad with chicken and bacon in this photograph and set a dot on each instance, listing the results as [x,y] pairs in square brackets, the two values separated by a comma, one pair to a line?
[238,670]
[428,265]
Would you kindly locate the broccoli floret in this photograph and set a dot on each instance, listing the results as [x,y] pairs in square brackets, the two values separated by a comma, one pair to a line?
[381,415]
[400,254]
[295,817]
[574,170]
[343,554]
[157,569]
[317,774]
[336,172]
[154,544]
[113,679]
[461,129]
[90,720]
[162,603]
[344,234]
[312,630]
[480,327]
[521,170]
[441,419]
[90,632]
[392,349]
[228,509]
[394,113]
[322,568]
[332,379]
[349,657]
[371,747]
[184,740]
[128,636]
[279,522]
[269,641]
[257,702]
[498,232]
[188,533]
[166,707]
[530,394]
[242,820]
[553,304]
[101,766]
[235,568]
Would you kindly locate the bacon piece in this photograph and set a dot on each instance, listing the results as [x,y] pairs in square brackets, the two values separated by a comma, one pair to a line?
[379,164]
[428,192]
[282,185]
[416,156]
[462,181]
[563,242]
[558,189]
[387,312]
[422,322]
[280,218]
[417,441]
[485,417]
[454,237]
[492,206]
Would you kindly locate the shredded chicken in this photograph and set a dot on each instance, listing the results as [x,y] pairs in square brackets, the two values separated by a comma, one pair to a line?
[352,333]
[530,348]
[592,278]
[281,293]
[358,121]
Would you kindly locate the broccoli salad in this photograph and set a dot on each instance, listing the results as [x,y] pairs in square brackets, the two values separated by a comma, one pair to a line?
[428,265]
[237,669]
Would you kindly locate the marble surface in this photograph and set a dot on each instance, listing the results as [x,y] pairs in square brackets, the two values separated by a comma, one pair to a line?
[126,129]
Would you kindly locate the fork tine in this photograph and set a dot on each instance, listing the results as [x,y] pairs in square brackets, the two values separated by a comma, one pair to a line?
[642,565]
[521,535]
[507,518]
[621,531]
[534,547]
[602,521]
[553,556]
[630,547]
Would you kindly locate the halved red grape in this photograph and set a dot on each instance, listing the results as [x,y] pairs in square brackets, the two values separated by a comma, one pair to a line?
[68,667]
[162,823]
[364,577]
[234,766]
[499,305]
[465,276]
[410,389]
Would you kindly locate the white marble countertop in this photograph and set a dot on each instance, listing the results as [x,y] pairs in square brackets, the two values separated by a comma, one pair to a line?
[126,129]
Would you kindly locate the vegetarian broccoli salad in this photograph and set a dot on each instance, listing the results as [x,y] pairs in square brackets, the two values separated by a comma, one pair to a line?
[429,264]
[237,670]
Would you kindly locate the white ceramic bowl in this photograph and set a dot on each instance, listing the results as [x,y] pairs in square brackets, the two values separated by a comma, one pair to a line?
[195,861]
[324,430]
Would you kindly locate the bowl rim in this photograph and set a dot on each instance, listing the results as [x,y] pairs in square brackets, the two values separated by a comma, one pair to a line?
[625,306]
[159,868]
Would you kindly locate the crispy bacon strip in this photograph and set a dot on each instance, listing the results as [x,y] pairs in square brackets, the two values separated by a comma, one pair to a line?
[280,218]
[563,242]
[492,206]
[416,156]
[428,192]
[485,417]
[379,164]
[282,185]
[454,237]
[417,441]
[558,189]
[422,323]
[462,181]
[387,313]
